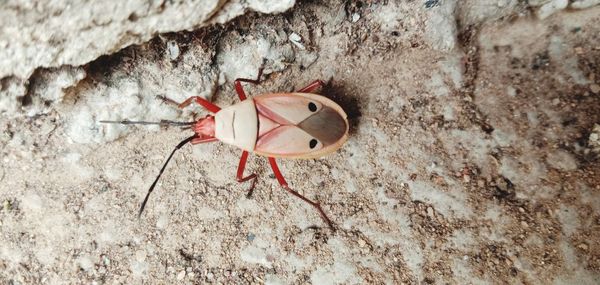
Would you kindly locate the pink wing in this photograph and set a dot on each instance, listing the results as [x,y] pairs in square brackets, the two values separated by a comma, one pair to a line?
[299,125]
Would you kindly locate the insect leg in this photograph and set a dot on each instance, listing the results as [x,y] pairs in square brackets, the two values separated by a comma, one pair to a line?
[238,84]
[312,86]
[201,101]
[240,173]
[285,186]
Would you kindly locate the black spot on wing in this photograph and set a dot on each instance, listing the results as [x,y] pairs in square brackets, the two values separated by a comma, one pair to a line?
[326,126]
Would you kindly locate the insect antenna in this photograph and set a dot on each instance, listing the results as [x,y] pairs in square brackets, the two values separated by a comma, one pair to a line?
[182,143]
[161,122]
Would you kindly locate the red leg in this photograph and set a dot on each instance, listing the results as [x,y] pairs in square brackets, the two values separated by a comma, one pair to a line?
[311,87]
[285,186]
[201,101]
[240,173]
[238,84]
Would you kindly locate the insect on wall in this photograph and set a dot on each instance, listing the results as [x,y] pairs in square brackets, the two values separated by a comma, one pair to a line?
[298,125]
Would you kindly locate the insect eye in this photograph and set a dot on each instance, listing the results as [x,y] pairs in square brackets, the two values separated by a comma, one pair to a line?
[312,107]
[312,143]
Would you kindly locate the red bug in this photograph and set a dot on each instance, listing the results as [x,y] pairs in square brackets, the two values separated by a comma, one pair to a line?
[297,125]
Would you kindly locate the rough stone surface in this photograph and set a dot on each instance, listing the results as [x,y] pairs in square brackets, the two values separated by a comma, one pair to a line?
[583,4]
[551,7]
[472,156]
[54,33]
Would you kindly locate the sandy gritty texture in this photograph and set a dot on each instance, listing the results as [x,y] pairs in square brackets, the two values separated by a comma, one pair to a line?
[473,156]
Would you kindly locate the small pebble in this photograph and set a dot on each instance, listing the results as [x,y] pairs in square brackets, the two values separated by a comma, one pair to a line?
[583,246]
[106,260]
[430,211]
[7,205]
[594,139]
[294,37]
[355,17]
[431,3]
[173,50]
[296,40]
[361,243]
[511,91]
[250,237]
[595,88]
[181,275]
